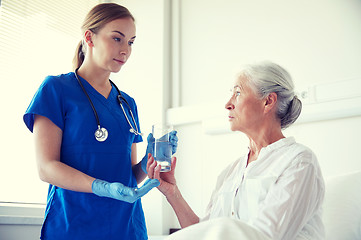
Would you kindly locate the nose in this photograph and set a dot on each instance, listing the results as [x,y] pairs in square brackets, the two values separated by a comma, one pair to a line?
[229,105]
[125,49]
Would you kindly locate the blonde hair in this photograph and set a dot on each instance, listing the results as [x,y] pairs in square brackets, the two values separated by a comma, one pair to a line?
[97,17]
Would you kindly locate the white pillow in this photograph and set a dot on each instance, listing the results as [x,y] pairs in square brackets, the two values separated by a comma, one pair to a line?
[342,207]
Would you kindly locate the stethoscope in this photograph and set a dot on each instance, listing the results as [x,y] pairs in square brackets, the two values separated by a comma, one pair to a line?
[101,134]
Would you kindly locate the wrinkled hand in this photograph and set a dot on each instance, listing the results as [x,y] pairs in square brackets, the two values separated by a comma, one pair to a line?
[120,192]
[167,180]
[173,139]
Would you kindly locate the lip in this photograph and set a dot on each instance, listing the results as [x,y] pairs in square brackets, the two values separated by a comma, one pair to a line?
[121,62]
[230,117]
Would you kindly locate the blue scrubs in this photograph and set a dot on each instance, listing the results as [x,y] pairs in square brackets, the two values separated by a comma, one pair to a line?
[74,215]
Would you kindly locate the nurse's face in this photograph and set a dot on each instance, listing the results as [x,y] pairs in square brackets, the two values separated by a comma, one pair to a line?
[112,45]
[245,108]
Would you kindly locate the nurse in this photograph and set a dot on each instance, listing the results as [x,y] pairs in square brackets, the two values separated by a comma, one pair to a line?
[276,190]
[93,175]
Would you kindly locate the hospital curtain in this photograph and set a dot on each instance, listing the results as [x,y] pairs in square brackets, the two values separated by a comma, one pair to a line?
[37,38]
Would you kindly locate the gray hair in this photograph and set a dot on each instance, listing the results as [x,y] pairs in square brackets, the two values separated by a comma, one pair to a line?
[267,77]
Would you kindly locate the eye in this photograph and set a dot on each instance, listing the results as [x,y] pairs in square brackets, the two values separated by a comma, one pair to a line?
[130,43]
[117,39]
[235,91]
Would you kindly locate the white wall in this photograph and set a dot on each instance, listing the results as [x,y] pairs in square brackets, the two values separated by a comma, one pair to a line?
[317,41]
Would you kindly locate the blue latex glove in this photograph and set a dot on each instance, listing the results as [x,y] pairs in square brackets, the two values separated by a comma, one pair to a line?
[173,139]
[118,191]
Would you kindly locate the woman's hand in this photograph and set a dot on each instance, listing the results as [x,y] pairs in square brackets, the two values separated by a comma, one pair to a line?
[168,187]
[173,139]
[167,180]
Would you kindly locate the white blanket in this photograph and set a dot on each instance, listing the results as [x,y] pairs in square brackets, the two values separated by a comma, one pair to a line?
[219,229]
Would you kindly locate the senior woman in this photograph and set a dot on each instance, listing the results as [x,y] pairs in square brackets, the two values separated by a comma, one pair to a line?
[274,191]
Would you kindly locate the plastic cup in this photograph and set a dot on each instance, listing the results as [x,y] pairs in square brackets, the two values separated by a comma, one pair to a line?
[162,147]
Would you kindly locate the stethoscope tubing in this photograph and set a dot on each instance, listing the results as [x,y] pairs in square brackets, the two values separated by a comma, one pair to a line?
[87,95]
[120,99]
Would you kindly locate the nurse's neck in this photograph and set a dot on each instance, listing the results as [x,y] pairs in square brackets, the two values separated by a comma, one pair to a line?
[98,79]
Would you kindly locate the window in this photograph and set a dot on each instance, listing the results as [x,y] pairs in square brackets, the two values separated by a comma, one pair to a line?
[37,38]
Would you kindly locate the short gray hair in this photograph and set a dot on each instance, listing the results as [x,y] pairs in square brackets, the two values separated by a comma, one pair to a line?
[267,77]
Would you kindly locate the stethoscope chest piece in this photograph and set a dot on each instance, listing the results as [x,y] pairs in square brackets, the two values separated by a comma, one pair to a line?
[101,134]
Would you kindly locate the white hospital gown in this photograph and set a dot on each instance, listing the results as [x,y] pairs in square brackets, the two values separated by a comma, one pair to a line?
[280,194]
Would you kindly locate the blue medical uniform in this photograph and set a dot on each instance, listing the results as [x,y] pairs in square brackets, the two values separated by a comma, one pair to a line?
[75,215]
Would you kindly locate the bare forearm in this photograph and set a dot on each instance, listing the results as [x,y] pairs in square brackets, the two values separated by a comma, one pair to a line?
[185,214]
[138,172]
[48,140]
[137,166]
[64,176]
[169,188]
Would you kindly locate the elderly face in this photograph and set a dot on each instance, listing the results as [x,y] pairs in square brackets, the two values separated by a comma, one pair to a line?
[246,110]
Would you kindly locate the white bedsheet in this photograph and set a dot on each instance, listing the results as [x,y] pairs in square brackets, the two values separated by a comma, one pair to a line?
[219,229]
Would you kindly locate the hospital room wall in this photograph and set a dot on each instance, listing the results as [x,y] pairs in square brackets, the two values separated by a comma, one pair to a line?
[317,41]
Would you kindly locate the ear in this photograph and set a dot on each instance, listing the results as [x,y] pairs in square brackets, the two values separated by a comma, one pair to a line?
[270,102]
[88,36]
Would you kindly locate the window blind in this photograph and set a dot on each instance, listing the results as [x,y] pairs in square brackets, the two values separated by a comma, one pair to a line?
[37,38]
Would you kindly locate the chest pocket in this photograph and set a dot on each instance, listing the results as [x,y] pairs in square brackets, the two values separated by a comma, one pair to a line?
[223,200]
[256,190]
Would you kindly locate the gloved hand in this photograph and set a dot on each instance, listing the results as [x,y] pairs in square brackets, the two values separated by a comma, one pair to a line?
[173,139]
[118,191]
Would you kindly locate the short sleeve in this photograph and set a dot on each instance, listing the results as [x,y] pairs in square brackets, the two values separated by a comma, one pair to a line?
[46,102]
